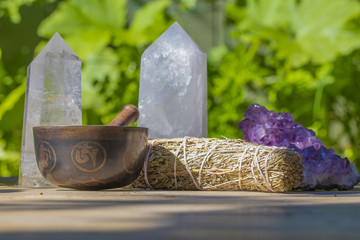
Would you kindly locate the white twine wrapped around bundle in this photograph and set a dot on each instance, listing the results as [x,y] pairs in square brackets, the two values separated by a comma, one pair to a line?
[219,164]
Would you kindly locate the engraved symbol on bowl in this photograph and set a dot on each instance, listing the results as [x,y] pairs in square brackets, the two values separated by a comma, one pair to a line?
[88,156]
[46,156]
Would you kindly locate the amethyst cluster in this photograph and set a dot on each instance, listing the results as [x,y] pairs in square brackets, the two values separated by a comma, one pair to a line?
[323,168]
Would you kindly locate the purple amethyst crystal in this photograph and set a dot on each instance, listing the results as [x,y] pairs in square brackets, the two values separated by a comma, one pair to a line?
[323,168]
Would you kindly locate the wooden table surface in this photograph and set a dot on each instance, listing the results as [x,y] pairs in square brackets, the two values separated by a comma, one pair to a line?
[57,213]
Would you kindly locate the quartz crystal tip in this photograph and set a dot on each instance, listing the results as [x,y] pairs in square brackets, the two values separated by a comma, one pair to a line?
[173,86]
[56,47]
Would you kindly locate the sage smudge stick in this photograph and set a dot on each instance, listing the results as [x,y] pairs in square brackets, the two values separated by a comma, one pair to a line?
[219,164]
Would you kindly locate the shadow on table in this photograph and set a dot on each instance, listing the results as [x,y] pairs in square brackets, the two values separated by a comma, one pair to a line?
[355,190]
[118,198]
[148,199]
[10,190]
[328,221]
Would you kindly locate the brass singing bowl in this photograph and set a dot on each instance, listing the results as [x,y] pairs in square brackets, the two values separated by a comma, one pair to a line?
[90,157]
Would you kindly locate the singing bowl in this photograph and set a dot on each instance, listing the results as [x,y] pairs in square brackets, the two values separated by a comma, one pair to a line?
[90,157]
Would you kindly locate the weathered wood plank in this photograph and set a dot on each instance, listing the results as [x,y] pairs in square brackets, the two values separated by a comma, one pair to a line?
[57,213]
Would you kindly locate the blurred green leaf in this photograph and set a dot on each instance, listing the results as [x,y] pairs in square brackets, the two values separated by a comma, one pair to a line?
[87,25]
[11,7]
[305,30]
[9,162]
[98,69]
[148,23]
[146,16]
[189,4]
[11,99]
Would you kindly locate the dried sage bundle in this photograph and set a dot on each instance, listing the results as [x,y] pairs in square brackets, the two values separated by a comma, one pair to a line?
[219,164]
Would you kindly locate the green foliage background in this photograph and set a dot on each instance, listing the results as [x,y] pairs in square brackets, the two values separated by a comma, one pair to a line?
[299,56]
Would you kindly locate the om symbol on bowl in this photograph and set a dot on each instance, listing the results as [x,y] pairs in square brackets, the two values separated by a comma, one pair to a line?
[46,155]
[88,156]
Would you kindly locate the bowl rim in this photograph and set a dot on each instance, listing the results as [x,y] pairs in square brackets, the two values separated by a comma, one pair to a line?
[86,126]
[87,132]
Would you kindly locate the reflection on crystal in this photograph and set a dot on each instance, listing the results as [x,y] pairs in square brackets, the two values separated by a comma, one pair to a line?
[53,97]
[323,168]
[173,87]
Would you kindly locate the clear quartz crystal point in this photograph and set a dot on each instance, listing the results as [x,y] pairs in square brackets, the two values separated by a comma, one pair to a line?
[173,87]
[53,97]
